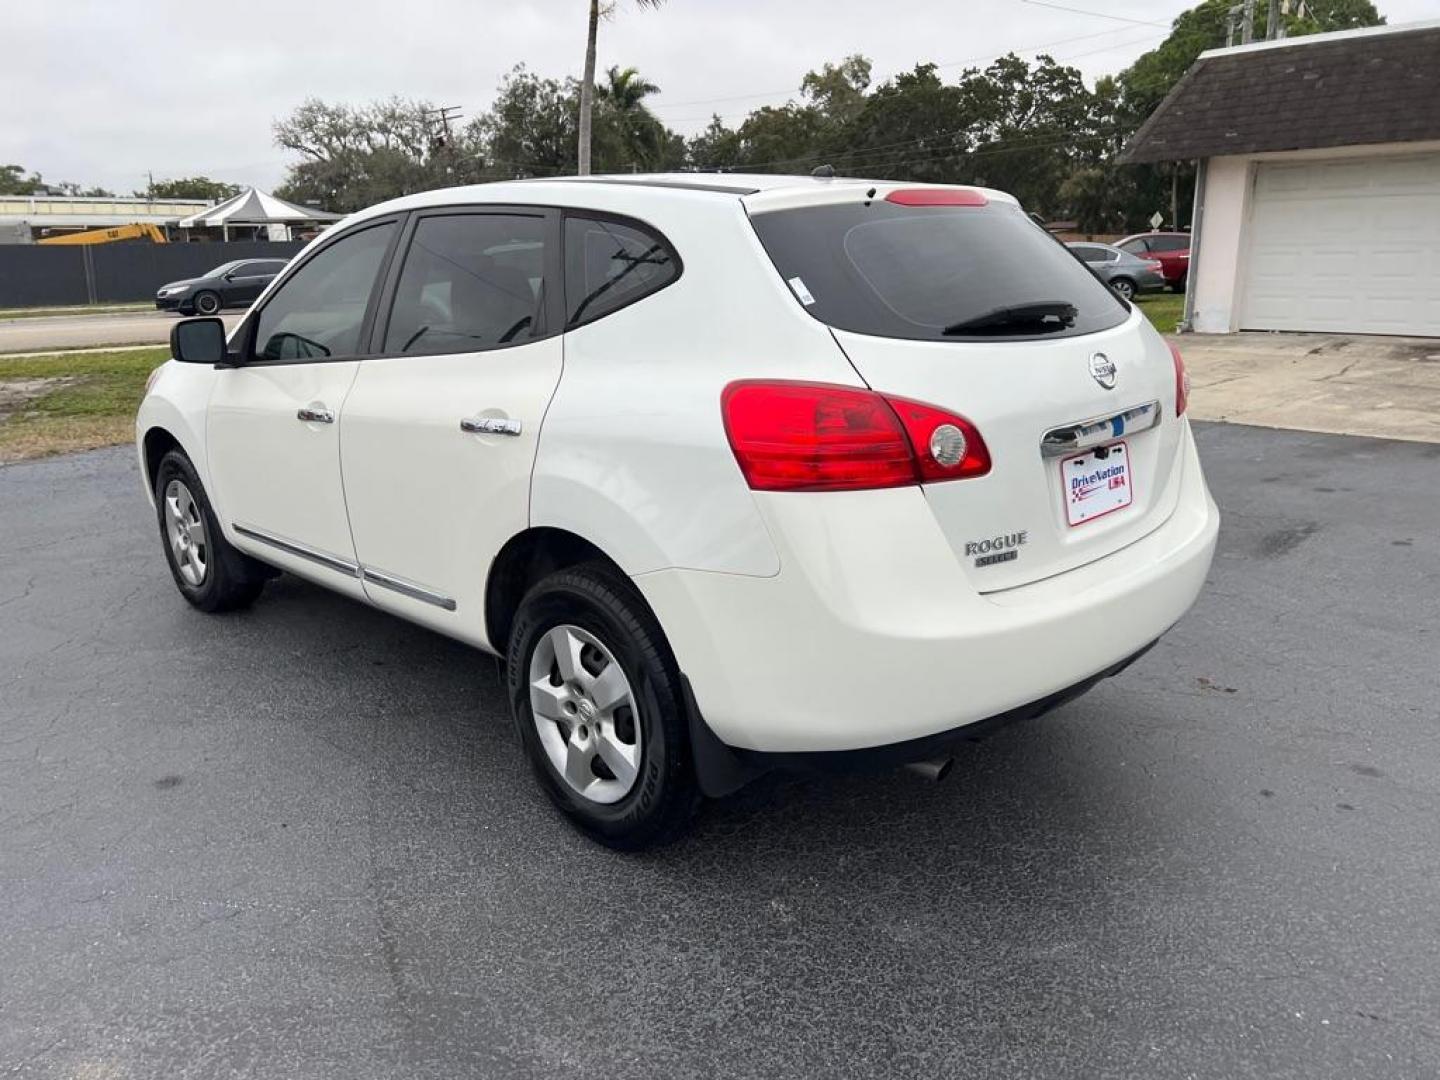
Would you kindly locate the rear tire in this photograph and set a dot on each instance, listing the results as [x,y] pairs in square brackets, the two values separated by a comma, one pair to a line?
[575,721]
[1124,288]
[207,303]
[211,574]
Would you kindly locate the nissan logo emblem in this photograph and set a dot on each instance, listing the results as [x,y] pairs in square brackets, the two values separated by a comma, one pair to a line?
[1103,371]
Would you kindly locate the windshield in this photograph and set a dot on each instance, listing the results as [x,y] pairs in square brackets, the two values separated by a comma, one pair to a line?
[946,273]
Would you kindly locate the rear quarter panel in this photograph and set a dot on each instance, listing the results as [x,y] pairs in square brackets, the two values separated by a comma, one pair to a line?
[633,455]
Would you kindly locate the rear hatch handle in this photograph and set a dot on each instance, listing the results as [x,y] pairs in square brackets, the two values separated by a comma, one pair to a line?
[1083,434]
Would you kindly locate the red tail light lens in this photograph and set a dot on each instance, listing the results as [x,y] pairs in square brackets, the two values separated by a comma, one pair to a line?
[946,446]
[797,436]
[1182,382]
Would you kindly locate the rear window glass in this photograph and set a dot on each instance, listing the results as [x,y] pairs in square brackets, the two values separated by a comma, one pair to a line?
[950,273]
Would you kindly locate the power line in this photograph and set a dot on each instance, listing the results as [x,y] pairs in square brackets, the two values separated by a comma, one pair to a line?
[1097,14]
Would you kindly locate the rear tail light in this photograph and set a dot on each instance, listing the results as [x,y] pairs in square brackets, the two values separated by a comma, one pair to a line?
[1154,264]
[1182,382]
[798,436]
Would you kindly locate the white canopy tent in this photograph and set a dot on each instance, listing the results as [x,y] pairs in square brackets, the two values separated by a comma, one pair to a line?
[253,207]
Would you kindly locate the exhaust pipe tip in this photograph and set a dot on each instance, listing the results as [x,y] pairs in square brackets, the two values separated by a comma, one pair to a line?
[932,769]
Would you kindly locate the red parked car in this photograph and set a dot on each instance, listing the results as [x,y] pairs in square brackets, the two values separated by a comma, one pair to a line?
[1172,249]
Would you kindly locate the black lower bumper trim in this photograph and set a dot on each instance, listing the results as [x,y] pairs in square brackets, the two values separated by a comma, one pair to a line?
[722,769]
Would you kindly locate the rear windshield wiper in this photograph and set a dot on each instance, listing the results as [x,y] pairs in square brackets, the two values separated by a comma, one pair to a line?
[1041,315]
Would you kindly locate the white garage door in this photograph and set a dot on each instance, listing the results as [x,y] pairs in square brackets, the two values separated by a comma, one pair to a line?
[1349,246]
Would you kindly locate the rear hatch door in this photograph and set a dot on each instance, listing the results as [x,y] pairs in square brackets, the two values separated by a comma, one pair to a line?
[972,307]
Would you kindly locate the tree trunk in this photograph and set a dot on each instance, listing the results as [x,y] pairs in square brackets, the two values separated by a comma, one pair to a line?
[587,92]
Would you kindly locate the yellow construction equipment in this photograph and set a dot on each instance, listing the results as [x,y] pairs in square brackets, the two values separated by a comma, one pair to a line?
[138,231]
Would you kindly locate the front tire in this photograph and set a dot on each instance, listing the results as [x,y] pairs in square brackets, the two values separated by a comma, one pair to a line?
[207,303]
[595,694]
[211,574]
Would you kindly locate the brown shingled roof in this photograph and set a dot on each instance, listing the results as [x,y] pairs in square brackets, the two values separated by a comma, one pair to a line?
[1331,90]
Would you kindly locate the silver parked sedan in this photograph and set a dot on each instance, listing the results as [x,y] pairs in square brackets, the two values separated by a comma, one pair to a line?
[1125,273]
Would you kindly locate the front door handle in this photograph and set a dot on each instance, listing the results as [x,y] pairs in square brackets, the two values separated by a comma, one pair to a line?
[489,425]
[315,416]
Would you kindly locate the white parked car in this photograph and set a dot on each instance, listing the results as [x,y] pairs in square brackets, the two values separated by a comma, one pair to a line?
[736,472]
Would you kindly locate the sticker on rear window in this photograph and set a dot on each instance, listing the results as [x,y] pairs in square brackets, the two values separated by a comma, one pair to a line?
[798,287]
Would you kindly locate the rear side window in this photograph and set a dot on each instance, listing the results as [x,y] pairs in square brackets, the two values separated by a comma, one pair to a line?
[609,264]
[946,273]
[470,282]
[1133,247]
[1169,243]
[1091,254]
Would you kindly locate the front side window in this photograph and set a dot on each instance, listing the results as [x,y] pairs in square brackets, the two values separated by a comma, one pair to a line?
[1091,254]
[470,282]
[609,264]
[934,273]
[320,310]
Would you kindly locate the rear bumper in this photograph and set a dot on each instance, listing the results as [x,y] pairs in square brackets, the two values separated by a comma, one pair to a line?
[870,635]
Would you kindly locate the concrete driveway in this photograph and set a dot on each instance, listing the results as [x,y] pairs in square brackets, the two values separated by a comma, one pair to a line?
[49,333]
[301,841]
[1344,384]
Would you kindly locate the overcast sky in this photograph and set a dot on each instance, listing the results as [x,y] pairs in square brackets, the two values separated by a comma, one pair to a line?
[100,91]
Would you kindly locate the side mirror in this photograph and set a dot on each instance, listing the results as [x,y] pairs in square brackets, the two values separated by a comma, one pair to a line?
[229,275]
[198,341]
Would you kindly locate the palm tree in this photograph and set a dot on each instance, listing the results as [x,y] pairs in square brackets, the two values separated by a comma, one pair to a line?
[626,89]
[587,83]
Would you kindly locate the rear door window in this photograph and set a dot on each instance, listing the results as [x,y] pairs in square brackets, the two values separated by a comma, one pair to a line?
[1169,243]
[935,272]
[610,264]
[470,282]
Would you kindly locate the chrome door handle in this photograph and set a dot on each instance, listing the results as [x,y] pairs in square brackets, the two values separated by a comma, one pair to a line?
[315,416]
[489,425]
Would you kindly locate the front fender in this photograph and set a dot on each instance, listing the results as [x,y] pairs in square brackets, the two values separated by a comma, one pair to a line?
[176,404]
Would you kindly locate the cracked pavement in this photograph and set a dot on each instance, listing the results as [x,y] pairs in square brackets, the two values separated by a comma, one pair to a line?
[301,841]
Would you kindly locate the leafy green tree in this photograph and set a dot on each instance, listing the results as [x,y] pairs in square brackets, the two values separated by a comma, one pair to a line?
[200,188]
[353,157]
[13,181]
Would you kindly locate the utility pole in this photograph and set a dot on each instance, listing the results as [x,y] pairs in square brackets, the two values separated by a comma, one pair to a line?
[437,123]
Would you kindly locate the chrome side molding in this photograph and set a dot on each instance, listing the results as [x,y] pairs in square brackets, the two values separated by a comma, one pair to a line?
[304,551]
[406,588]
[1072,438]
[344,566]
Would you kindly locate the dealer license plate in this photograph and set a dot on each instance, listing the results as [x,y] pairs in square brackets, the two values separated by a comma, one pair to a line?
[1097,482]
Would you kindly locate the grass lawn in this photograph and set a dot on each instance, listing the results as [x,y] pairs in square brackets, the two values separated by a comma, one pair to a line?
[94,405]
[1163,309]
[79,309]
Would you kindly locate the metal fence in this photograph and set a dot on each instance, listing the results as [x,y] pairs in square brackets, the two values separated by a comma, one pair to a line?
[34,276]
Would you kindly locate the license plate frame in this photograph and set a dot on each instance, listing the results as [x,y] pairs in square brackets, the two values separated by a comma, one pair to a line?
[1077,514]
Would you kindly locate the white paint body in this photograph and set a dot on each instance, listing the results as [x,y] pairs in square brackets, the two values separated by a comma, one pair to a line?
[1340,240]
[804,621]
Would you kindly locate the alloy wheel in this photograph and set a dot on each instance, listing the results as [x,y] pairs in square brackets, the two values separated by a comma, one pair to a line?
[185,530]
[585,714]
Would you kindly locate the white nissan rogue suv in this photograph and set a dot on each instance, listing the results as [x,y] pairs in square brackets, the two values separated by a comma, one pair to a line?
[736,472]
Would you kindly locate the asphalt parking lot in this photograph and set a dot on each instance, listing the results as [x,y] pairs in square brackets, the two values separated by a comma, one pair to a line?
[301,841]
